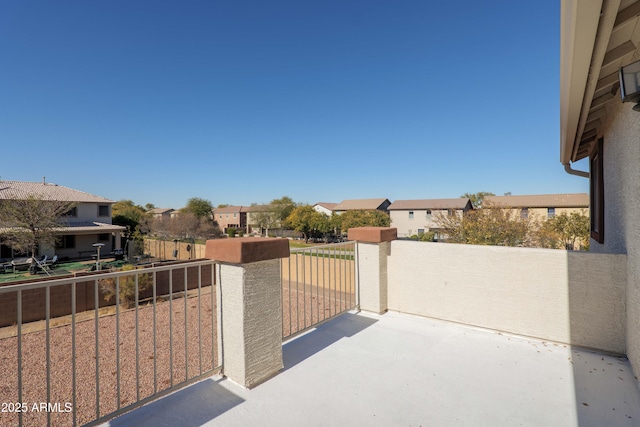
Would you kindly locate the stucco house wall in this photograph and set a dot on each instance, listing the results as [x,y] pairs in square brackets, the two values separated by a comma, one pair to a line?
[621,169]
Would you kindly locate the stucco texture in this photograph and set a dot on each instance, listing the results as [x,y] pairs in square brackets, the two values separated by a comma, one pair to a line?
[570,297]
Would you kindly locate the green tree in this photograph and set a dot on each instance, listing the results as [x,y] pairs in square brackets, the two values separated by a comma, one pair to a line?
[199,207]
[304,219]
[134,217]
[33,221]
[477,198]
[361,218]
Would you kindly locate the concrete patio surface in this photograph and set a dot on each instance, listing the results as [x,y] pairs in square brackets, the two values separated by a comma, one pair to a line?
[402,370]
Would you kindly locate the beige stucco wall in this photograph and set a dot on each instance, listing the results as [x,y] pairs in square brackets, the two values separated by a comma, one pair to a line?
[570,297]
[621,159]
[408,227]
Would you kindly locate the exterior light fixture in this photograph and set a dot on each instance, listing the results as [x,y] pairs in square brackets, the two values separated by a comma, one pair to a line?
[630,84]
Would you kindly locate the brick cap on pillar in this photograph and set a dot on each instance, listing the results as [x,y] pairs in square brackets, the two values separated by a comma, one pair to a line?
[243,250]
[373,234]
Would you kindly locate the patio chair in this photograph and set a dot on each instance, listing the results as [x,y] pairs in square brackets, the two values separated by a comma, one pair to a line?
[51,262]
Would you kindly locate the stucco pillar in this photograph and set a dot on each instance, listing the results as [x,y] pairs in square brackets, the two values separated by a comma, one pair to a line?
[374,247]
[251,306]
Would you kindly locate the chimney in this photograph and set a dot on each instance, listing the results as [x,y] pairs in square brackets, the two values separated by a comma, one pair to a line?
[44,180]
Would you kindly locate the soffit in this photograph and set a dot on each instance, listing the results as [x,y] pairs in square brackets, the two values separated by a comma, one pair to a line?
[619,28]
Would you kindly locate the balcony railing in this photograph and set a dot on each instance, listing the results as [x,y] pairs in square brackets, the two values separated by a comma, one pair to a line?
[78,367]
[318,283]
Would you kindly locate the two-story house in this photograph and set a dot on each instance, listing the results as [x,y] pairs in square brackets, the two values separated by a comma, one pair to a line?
[231,217]
[88,223]
[415,217]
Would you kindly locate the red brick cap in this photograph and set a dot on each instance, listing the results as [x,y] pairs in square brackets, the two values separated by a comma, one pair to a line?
[373,234]
[243,250]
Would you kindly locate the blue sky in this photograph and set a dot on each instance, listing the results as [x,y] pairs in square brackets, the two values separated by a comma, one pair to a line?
[246,101]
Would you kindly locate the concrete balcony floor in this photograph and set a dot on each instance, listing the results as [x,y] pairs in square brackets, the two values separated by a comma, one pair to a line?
[398,369]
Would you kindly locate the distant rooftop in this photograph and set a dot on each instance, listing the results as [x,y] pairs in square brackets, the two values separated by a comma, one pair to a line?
[327,205]
[457,203]
[160,211]
[367,204]
[230,209]
[20,190]
[579,200]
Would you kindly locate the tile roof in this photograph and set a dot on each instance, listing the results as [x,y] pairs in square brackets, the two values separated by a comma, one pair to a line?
[359,204]
[160,211]
[230,209]
[17,190]
[458,203]
[579,200]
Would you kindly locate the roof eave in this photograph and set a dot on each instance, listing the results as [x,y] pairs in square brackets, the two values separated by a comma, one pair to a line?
[579,28]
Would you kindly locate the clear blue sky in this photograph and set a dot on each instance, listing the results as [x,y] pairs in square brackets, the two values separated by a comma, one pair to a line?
[246,101]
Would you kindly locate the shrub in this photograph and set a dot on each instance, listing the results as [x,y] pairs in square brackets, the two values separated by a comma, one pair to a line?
[231,232]
[127,285]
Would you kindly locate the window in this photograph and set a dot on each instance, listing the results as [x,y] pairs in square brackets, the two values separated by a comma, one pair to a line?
[227,216]
[73,212]
[410,214]
[220,216]
[551,212]
[103,237]
[524,213]
[66,242]
[235,215]
[103,210]
[428,213]
[596,193]
[420,231]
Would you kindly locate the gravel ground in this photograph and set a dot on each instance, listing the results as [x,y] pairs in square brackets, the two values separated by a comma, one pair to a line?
[303,305]
[34,361]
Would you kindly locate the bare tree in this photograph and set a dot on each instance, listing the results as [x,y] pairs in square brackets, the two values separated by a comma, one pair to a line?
[33,221]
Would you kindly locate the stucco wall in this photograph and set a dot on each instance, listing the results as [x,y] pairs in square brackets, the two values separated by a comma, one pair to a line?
[621,159]
[571,297]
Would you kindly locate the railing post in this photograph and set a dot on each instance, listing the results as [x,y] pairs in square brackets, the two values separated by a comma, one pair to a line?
[251,306]
[374,246]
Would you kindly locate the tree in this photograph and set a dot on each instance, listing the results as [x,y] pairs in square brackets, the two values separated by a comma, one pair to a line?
[199,207]
[488,226]
[306,220]
[361,218]
[282,208]
[477,198]
[149,206]
[32,221]
[135,217]
[565,231]
[264,217]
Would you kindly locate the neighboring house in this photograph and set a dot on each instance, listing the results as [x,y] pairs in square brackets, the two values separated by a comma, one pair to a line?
[231,217]
[597,39]
[362,204]
[415,217]
[253,212]
[88,223]
[162,212]
[542,206]
[324,208]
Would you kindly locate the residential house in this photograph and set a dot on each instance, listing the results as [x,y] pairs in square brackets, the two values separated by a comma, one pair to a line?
[598,38]
[542,206]
[362,204]
[89,222]
[415,217]
[162,212]
[254,213]
[231,217]
[324,208]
